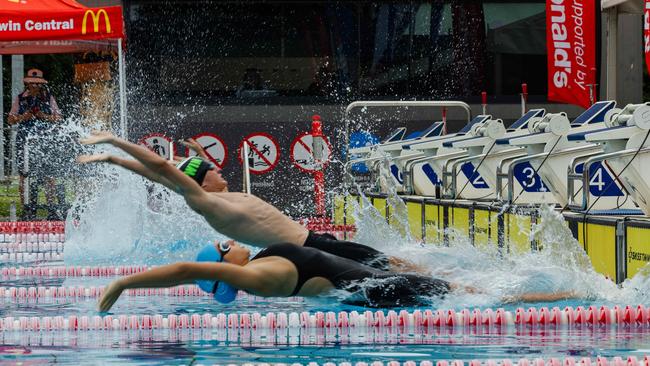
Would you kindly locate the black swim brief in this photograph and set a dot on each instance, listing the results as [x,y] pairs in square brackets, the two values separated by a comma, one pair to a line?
[347,249]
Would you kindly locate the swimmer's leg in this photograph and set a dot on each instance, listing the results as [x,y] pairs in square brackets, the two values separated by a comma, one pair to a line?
[541,297]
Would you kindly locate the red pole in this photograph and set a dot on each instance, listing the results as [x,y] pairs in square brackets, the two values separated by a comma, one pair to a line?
[524,98]
[319,176]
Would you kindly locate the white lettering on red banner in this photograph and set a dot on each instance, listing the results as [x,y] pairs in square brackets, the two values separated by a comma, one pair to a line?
[571,46]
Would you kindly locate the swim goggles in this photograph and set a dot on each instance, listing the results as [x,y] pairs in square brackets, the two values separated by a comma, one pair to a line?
[224,248]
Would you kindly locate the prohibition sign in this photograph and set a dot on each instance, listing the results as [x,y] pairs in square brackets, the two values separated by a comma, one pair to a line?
[302,155]
[158,143]
[263,152]
[214,147]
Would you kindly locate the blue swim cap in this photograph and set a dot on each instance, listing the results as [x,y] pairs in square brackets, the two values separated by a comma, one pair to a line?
[224,293]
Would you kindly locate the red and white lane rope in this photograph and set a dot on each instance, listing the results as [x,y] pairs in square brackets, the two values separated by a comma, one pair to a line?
[75,292]
[47,246]
[71,271]
[569,361]
[26,257]
[465,319]
[93,291]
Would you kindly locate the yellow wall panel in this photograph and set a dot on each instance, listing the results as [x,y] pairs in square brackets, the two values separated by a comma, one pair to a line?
[460,220]
[601,248]
[494,227]
[432,222]
[349,208]
[638,249]
[380,205]
[339,210]
[415,219]
[481,227]
[518,232]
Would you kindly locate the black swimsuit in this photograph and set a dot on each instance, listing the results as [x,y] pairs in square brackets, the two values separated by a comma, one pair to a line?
[389,289]
[347,249]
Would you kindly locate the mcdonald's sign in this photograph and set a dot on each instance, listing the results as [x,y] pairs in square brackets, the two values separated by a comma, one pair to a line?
[95,16]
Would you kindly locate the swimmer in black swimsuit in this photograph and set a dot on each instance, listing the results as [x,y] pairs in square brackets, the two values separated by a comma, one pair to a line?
[283,270]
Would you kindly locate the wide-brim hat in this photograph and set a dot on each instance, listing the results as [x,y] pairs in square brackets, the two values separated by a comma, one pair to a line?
[34,76]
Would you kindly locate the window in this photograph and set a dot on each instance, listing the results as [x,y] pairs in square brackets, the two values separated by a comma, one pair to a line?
[332,52]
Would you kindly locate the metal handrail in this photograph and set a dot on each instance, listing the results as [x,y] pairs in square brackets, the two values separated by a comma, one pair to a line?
[572,177]
[398,103]
[410,166]
[599,158]
[511,171]
[454,176]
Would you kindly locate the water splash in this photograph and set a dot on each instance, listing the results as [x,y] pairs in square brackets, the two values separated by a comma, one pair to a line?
[119,217]
[490,276]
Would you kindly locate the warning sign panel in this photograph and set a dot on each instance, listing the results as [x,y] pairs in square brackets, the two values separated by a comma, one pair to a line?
[214,147]
[263,152]
[304,150]
[160,144]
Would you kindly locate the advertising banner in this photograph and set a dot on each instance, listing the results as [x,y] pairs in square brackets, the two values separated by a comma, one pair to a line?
[646,33]
[571,47]
[26,23]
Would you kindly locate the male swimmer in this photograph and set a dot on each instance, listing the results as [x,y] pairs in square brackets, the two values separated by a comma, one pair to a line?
[282,270]
[240,216]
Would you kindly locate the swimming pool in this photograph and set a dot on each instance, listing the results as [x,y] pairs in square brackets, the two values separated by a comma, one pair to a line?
[29,293]
[48,314]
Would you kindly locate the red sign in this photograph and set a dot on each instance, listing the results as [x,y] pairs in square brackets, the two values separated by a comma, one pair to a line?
[160,144]
[263,152]
[25,21]
[571,47]
[646,33]
[302,155]
[213,146]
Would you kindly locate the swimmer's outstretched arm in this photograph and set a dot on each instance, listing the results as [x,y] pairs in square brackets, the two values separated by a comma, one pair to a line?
[244,278]
[157,166]
[132,165]
[160,171]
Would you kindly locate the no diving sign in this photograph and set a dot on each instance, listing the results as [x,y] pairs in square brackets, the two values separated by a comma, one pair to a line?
[263,152]
[214,147]
[303,155]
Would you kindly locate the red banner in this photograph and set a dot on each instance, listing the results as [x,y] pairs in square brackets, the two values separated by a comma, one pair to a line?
[571,47]
[646,34]
[79,24]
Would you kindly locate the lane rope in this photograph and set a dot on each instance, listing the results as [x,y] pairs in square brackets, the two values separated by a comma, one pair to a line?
[635,316]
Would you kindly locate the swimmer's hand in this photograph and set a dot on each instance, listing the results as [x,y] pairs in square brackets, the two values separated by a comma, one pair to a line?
[98,137]
[192,144]
[98,158]
[111,293]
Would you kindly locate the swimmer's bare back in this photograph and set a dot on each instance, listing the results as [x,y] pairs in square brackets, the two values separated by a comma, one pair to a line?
[240,216]
[248,219]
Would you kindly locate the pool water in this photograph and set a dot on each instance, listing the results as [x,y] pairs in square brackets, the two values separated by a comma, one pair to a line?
[289,345]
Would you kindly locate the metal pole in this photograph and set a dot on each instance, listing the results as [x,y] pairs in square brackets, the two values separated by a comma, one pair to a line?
[122,82]
[246,172]
[17,73]
[612,46]
[398,103]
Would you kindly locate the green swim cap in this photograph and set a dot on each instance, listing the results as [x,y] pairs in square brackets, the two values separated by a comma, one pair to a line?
[195,167]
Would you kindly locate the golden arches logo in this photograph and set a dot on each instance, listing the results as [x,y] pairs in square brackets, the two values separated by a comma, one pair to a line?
[96,17]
